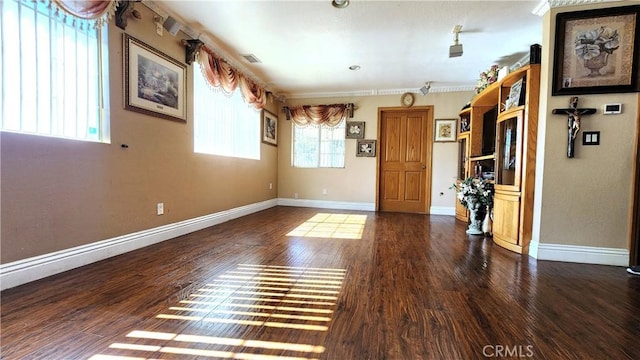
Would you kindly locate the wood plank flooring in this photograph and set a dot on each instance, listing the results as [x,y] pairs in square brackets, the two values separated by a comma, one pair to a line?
[347,285]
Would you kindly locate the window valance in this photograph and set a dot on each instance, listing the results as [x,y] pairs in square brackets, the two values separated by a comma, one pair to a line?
[327,115]
[96,12]
[220,74]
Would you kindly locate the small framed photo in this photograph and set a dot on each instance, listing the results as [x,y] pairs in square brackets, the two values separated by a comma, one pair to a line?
[355,130]
[154,83]
[269,128]
[516,95]
[366,148]
[445,130]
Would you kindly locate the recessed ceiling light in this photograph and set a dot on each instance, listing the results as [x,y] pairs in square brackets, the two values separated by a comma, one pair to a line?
[340,4]
[354,67]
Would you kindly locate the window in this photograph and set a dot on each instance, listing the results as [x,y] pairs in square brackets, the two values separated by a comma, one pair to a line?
[224,125]
[52,69]
[318,146]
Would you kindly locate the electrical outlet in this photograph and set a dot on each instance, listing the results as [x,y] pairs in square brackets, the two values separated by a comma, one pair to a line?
[295,196]
[160,208]
[159,28]
[270,186]
[324,192]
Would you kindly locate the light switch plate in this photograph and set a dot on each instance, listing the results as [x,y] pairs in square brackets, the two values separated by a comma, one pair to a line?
[591,138]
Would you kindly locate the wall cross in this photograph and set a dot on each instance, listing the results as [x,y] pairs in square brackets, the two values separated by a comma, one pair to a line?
[573,121]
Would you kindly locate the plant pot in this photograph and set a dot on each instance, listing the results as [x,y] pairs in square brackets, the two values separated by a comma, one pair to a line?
[475,221]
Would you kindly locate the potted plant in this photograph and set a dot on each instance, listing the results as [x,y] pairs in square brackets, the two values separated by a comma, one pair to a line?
[477,196]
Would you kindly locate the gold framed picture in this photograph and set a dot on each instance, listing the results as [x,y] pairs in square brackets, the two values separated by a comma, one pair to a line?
[445,130]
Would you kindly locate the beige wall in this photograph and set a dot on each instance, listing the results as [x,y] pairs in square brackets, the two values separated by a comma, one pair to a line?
[56,193]
[357,181]
[59,193]
[585,200]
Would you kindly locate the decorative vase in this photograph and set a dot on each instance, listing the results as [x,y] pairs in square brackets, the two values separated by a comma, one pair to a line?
[596,63]
[487,223]
[475,223]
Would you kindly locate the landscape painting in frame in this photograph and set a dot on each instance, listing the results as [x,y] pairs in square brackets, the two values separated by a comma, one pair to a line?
[596,51]
[154,82]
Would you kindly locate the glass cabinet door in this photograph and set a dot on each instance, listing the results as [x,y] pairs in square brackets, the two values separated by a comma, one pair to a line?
[508,154]
[462,157]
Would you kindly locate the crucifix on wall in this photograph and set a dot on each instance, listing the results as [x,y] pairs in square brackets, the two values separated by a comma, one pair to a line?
[574,116]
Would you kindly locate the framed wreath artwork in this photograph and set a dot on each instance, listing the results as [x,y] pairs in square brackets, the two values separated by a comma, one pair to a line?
[445,130]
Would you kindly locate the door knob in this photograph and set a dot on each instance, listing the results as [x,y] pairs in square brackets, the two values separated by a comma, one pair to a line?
[424,166]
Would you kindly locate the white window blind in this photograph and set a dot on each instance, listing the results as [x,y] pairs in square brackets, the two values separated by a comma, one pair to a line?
[319,146]
[224,125]
[52,71]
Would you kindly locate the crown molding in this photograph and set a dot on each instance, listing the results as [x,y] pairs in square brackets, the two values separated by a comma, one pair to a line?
[376,92]
[545,5]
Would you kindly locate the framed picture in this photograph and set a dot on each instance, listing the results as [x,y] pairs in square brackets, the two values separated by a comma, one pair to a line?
[154,83]
[465,123]
[445,130]
[366,148]
[596,51]
[515,95]
[355,130]
[269,128]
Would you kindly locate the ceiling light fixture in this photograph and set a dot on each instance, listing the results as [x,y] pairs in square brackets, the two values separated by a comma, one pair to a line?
[455,50]
[340,4]
[424,90]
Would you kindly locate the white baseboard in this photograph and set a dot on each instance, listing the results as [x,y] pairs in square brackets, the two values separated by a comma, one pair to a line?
[324,204]
[580,254]
[443,210]
[38,267]
[343,205]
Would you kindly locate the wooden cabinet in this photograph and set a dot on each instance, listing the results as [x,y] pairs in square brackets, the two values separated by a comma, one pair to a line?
[502,148]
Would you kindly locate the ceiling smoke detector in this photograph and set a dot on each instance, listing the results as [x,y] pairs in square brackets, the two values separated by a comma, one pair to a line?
[455,50]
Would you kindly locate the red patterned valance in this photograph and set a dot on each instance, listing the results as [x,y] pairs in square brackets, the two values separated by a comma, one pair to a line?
[220,74]
[327,115]
[95,11]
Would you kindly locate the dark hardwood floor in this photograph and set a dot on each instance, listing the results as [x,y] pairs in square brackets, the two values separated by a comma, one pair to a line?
[410,287]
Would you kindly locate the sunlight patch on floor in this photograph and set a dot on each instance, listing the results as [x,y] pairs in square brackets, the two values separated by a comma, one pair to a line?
[333,226]
[256,296]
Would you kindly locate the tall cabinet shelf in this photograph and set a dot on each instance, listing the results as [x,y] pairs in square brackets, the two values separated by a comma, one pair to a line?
[500,146]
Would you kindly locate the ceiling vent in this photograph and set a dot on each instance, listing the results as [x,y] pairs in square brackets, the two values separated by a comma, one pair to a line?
[251,58]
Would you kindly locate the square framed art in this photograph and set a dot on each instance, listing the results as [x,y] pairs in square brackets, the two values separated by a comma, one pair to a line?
[445,130]
[355,130]
[366,148]
[596,51]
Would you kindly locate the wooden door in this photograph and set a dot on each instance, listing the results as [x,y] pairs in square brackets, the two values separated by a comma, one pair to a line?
[404,172]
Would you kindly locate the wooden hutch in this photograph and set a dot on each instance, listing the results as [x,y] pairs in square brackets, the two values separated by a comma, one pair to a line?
[497,141]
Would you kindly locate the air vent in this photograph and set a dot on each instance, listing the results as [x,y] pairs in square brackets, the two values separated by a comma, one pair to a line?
[251,58]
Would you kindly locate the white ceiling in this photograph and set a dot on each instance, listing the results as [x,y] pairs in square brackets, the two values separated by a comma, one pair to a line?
[306,47]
